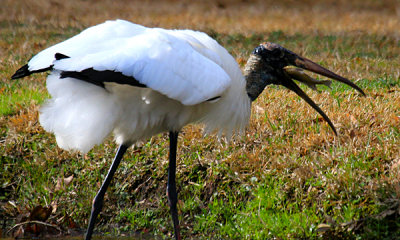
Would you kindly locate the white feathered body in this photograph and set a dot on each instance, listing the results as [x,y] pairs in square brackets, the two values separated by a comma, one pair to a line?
[182,71]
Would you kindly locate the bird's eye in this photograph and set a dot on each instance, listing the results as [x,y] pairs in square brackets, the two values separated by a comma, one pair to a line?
[258,50]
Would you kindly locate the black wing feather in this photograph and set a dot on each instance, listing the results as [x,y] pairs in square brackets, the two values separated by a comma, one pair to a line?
[100,77]
[89,75]
[59,56]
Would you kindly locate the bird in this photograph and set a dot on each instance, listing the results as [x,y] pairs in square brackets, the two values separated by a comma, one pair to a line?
[132,82]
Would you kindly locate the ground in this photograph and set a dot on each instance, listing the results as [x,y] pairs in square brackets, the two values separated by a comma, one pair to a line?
[287,177]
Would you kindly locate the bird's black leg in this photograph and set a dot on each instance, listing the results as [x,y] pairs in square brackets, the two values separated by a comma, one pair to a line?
[171,185]
[98,200]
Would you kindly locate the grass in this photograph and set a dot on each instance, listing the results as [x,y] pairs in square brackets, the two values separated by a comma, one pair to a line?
[287,177]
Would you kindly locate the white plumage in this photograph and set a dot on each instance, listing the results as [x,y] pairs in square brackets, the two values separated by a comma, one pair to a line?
[182,69]
[134,82]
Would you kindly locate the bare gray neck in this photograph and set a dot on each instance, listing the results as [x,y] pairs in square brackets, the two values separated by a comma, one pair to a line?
[257,76]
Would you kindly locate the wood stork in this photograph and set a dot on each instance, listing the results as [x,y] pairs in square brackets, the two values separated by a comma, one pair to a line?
[133,82]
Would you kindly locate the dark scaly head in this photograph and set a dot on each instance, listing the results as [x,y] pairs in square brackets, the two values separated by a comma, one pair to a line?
[266,66]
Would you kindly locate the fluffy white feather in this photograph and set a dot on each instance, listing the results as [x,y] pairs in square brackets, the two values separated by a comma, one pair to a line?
[182,69]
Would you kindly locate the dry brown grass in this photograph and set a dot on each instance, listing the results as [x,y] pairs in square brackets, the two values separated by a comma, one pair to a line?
[224,16]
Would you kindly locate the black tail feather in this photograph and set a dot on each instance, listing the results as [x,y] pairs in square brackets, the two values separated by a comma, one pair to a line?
[22,72]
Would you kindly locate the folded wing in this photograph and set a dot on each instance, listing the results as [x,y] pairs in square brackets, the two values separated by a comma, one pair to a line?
[176,65]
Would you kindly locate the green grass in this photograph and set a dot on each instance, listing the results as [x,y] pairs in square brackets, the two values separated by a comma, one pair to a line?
[17,96]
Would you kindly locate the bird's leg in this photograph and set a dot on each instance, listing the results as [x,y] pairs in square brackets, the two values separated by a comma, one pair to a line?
[98,200]
[171,185]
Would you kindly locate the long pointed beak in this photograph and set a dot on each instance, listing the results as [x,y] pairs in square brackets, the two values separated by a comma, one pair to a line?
[313,67]
[276,59]
[309,65]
